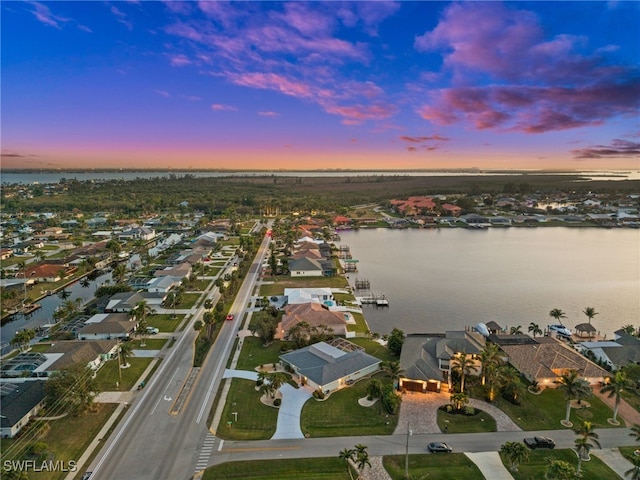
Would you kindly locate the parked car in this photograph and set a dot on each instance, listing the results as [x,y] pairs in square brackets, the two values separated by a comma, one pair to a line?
[439,447]
[152,330]
[539,442]
[230,317]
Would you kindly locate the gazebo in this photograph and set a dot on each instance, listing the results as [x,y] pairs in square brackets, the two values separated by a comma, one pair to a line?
[585,328]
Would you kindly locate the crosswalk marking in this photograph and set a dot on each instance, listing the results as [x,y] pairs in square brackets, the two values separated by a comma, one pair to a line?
[205,452]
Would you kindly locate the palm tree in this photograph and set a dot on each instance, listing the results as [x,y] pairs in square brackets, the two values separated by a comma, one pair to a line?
[583,447]
[587,431]
[634,472]
[459,400]
[392,369]
[557,314]
[635,432]
[511,382]
[267,389]
[276,379]
[374,388]
[125,352]
[463,365]
[560,470]
[590,312]
[534,328]
[516,453]
[516,330]
[64,294]
[573,387]
[614,387]
[348,455]
[362,458]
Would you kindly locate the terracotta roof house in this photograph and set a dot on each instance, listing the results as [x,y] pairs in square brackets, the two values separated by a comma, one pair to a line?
[546,359]
[426,358]
[20,402]
[315,314]
[450,209]
[46,272]
[330,366]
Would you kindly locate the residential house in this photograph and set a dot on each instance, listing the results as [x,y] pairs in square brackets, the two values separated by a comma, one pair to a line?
[163,284]
[617,353]
[107,326]
[20,402]
[124,302]
[308,295]
[330,366]
[546,359]
[310,267]
[182,270]
[427,358]
[314,314]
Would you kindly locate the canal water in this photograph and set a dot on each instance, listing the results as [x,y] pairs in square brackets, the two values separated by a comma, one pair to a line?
[444,279]
[49,304]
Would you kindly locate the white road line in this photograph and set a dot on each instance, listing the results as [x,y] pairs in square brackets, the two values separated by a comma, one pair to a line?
[165,390]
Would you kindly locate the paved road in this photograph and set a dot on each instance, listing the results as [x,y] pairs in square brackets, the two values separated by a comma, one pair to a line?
[150,442]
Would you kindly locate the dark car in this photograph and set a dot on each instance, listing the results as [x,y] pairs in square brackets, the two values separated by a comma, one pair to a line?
[539,442]
[439,447]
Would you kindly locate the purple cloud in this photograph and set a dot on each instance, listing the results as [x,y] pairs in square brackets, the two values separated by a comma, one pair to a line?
[219,107]
[538,85]
[617,149]
[269,114]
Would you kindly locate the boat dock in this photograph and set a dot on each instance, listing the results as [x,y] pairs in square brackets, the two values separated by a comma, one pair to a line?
[379,300]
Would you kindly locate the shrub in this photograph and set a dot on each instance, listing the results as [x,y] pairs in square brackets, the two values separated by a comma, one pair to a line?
[277,402]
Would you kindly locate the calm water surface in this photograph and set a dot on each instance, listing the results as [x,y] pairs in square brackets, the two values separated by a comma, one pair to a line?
[443,279]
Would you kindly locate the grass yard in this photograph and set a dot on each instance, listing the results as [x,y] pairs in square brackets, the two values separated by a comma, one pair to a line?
[69,437]
[536,466]
[451,466]
[290,469]
[149,344]
[188,300]
[374,348]
[254,354]
[544,411]
[256,421]
[361,326]
[165,321]
[632,398]
[460,423]
[281,282]
[108,375]
[319,417]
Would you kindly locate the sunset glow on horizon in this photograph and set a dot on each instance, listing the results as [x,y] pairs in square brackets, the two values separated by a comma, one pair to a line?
[320,85]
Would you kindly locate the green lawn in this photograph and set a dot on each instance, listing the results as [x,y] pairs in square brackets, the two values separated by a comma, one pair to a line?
[165,321]
[632,398]
[290,469]
[108,375]
[149,344]
[254,353]
[536,466]
[454,466]
[374,348]
[361,326]
[256,421]
[460,423]
[544,411]
[281,282]
[341,415]
[188,300]
[69,437]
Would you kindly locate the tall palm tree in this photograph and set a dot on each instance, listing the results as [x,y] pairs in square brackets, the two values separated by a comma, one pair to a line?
[516,453]
[516,330]
[277,379]
[392,369]
[490,358]
[348,455]
[362,458]
[583,447]
[614,388]
[587,431]
[125,352]
[573,387]
[463,365]
[590,312]
[534,328]
[557,314]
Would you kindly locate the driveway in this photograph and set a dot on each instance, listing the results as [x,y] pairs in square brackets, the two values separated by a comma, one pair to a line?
[419,412]
[293,400]
[490,465]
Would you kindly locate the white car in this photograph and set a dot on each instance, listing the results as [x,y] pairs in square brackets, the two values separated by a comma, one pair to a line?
[152,330]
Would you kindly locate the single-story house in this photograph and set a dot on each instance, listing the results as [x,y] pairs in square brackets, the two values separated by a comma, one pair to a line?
[182,270]
[123,302]
[20,402]
[315,314]
[617,353]
[107,326]
[163,284]
[307,295]
[310,267]
[546,359]
[330,366]
[46,272]
[427,358]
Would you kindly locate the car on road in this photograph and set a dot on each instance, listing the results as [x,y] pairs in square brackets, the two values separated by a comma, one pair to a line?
[230,317]
[439,447]
[539,442]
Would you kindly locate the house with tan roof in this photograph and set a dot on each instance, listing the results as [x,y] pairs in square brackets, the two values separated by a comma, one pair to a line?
[546,359]
[315,314]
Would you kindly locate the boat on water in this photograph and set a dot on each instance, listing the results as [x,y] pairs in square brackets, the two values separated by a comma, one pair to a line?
[560,329]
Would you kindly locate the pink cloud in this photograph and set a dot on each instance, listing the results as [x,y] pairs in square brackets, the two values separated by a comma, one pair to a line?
[359,113]
[221,107]
[271,81]
[616,149]
[180,60]
[269,114]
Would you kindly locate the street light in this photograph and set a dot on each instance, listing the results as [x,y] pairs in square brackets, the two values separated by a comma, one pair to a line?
[406,455]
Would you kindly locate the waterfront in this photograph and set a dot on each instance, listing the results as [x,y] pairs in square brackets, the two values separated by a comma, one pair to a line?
[444,279]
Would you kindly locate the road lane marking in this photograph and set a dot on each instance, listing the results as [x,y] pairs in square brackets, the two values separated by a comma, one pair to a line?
[261,449]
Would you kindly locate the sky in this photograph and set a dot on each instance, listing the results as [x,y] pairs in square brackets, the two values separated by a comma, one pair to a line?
[320,85]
